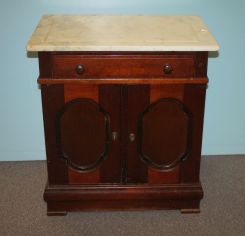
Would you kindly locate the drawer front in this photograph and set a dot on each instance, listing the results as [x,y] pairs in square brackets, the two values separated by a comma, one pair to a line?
[130,66]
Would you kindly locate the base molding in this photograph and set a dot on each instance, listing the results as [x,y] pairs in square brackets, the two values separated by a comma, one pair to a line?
[63,198]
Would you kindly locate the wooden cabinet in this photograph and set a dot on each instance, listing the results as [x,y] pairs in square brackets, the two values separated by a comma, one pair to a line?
[123,104]
[123,130]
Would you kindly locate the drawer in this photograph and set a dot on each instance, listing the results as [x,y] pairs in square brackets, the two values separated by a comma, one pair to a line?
[129,66]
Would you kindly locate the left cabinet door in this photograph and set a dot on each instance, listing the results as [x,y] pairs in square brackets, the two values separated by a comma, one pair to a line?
[82,133]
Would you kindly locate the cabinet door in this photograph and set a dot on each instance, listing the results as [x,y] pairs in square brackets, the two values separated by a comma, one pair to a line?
[161,122]
[79,120]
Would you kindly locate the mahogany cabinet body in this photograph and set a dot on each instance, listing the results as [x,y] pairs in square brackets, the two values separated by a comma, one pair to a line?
[123,130]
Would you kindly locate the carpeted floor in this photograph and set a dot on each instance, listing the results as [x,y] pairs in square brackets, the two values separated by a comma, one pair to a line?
[23,211]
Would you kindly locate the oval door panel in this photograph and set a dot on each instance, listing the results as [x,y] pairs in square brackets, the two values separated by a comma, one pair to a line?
[164,133]
[82,133]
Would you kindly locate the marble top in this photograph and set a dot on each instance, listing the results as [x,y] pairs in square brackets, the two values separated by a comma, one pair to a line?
[121,33]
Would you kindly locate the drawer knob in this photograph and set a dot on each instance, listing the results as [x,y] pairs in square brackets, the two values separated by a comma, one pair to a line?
[80,69]
[167,69]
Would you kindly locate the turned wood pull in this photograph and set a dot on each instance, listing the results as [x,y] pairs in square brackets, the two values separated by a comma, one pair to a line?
[80,69]
[167,68]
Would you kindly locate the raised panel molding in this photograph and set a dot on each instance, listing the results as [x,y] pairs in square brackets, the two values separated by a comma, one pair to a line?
[82,134]
[165,134]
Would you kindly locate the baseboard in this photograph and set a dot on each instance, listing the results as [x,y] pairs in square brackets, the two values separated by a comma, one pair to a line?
[22,156]
[224,156]
[40,156]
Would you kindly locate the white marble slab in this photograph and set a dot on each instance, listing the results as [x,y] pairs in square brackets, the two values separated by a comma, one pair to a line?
[121,33]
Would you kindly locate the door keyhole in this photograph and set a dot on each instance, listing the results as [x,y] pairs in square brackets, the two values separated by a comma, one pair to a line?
[132,137]
[114,136]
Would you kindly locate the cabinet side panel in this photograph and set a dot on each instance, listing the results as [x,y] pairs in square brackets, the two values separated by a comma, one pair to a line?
[52,101]
[194,99]
[138,98]
[109,99]
[45,64]
[201,64]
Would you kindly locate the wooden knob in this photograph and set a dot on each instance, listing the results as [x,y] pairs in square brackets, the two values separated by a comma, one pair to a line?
[167,69]
[80,69]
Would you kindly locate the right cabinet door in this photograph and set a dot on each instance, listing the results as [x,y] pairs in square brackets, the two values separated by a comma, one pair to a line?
[165,133]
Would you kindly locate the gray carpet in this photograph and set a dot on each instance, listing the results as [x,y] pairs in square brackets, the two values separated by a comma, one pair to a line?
[23,211]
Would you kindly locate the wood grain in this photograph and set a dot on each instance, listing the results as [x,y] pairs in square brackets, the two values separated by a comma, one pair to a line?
[123,84]
[132,66]
[52,102]
[129,81]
